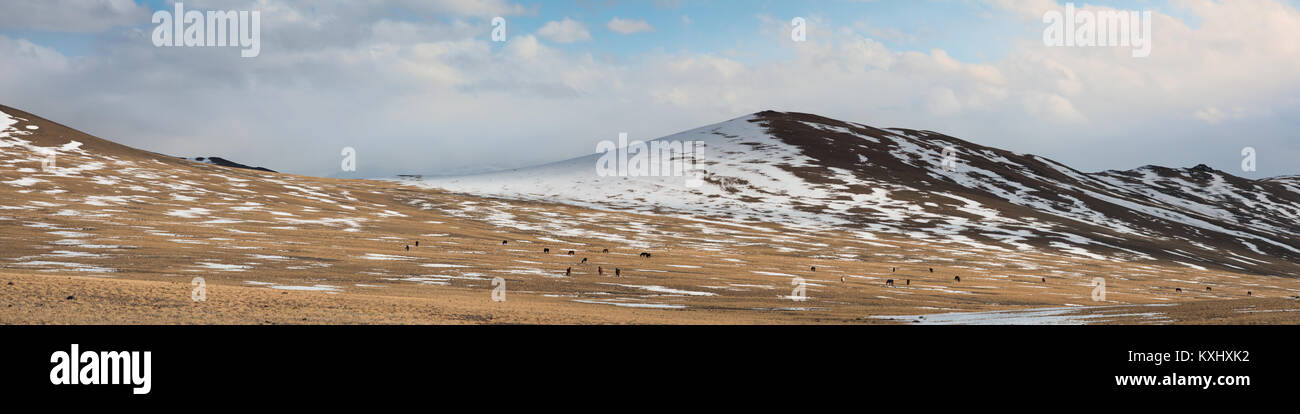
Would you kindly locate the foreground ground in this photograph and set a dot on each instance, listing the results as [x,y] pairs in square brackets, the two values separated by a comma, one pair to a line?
[42,299]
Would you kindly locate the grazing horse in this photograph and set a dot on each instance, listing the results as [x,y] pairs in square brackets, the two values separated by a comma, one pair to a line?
[1178,290]
[1207,288]
[546,250]
[605,251]
[503,242]
[584,260]
[645,255]
[958,279]
[889,283]
[570,252]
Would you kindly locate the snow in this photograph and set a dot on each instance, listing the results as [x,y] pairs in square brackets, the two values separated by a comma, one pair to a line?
[24,182]
[223,267]
[661,289]
[749,183]
[313,288]
[377,256]
[633,305]
[193,212]
[69,266]
[1035,316]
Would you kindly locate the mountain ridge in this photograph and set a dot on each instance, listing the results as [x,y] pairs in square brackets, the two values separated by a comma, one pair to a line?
[839,173]
[806,171]
[125,231]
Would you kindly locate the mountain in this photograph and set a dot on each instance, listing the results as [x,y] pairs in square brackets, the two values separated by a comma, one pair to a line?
[226,163]
[807,171]
[96,232]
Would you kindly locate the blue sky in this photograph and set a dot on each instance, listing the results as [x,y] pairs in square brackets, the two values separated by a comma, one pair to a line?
[718,26]
[419,83]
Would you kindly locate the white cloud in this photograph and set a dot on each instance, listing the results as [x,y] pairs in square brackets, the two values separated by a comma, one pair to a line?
[439,96]
[565,31]
[476,8]
[1213,115]
[77,16]
[629,26]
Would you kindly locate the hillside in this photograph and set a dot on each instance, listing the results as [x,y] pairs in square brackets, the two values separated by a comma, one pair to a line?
[112,234]
[813,172]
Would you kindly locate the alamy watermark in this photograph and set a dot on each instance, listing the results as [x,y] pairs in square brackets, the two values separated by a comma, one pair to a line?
[1248,159]
[800,291]
[215,29]
[498,29]
[799,30]
[949,162]
[48,156]
[200,292]
[499,289]
[76,367]
[349,163]
[1098,289]
[657,158]
[1103,28]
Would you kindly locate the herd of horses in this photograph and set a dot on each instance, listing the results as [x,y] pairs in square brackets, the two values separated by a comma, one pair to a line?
[618,272]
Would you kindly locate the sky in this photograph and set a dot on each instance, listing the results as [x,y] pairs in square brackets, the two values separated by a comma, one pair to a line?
[420,87]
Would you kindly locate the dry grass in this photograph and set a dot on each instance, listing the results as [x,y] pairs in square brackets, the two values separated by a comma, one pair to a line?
[125,241]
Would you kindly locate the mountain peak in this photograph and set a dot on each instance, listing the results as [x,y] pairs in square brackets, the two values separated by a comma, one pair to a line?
[804,170]
[226,163]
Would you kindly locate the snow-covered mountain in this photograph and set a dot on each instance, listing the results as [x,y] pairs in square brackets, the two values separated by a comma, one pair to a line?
[809,171]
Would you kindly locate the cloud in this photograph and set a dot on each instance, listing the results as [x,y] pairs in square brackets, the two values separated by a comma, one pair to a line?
[1212,115]
[73,16]
[564,31]
[435,95]
[629,26]
[475,8]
